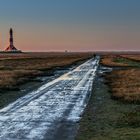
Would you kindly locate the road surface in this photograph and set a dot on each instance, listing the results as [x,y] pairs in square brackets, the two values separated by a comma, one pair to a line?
[52,111]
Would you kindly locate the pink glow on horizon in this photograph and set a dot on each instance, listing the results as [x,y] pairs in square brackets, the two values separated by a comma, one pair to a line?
[74,39]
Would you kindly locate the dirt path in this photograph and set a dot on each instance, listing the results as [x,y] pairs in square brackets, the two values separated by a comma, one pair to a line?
[51,112]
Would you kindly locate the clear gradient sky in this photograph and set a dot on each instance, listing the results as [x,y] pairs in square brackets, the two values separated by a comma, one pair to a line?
[74,25]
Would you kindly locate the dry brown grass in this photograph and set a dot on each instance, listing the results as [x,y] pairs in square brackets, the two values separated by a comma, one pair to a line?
[125,83]
[132,57]
[108,60]
[18,68]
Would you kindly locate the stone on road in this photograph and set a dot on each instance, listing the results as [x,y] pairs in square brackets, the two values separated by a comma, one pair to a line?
[48,112]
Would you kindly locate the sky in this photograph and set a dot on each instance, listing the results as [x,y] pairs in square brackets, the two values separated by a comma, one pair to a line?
[73,25]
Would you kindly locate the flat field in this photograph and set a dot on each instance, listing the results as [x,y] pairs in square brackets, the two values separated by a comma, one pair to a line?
[16,69]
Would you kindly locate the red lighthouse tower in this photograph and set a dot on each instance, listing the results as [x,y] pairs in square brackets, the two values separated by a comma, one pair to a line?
[11,47]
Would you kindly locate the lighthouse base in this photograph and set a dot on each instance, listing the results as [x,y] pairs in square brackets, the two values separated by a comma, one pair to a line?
[12,49]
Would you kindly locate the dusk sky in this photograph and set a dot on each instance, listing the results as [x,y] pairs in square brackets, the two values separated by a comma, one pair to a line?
[74,25]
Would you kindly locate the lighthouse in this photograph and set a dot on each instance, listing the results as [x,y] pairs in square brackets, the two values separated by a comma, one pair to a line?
[11,47]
